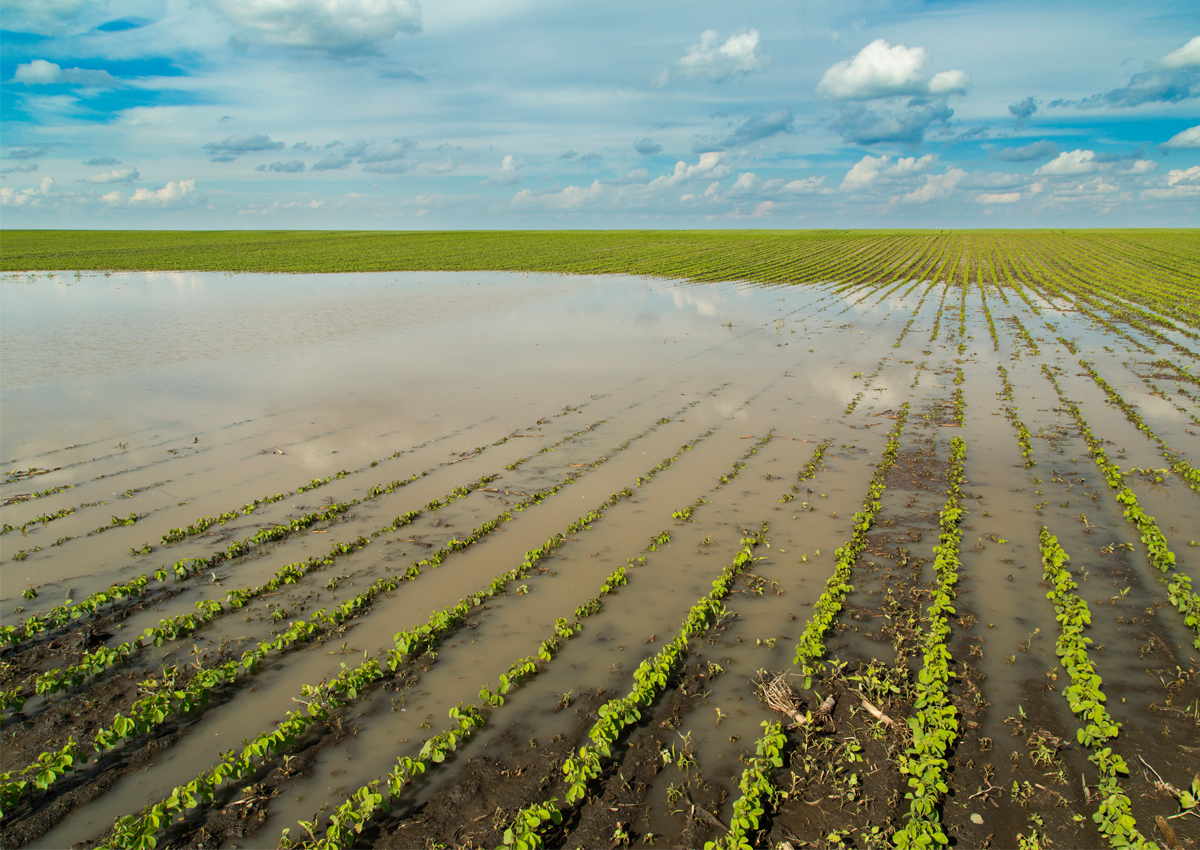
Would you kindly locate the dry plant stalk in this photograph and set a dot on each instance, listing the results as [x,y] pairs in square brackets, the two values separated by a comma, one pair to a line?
[779,696]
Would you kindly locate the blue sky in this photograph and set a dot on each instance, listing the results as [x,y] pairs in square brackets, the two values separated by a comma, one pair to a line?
[392,114]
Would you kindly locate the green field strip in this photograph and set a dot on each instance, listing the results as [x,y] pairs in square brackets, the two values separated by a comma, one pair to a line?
[1159,554]
[1114,818]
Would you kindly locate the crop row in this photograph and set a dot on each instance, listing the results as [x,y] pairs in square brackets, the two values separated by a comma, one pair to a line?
[351,815]
[1086,698]
[755,785]
[1024,438]
[172,628]
[137,831]
[51,766]
[1180,466]
[934,727]
[650,678]
[811,646]
[1179,587]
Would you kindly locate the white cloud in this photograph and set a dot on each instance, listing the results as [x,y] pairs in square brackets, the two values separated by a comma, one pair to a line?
[568,199]
[1189,138]
[174,194]
[1183,175]
[632,192]
[1142,166]
[1070,163]
[39,72]
[508,174]
[1187,56]
[883,70]
[998,197]
[764,210]
[331,26]
[118,175]
[240,143]
[739,55]
[937,186]
[807,186]
[29,197]
[41,16]
[871,168]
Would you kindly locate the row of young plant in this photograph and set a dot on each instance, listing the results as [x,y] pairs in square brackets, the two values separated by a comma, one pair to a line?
[172,628]
[1179,586]
[811,647]
[1180,466]
[958,404]
[934,726]
[808,470]
[49,767]
[350,817]
[42,494]
[140,831]
[69,611]
[206,522]
[152,711]
[650,679]
[756,787]
[1024,437]
[1086,698]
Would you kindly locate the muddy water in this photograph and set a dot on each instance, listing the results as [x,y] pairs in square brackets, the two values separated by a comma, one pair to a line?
[178,397]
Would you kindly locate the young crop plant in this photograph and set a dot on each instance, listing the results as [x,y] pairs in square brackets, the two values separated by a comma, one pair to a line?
[1024,438]
[757,791]
[1114,817]
[935,724]
[811,647]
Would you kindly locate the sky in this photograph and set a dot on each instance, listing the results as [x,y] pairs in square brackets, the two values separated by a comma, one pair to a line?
[476,114]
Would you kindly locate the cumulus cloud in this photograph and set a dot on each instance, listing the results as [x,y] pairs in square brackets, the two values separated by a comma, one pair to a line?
[807,186]
[1142,166]
[1189,138]
[30,153]
[21,168]
[1187,56]
[1172,78]
[871,169]
[752,129]
[998,197]
[39,72]
[102,161]
[173,195]
[1022,110]
[331,162]
[30,197]
[386,167]
[508,173]
[240,143]
[1183,184]
[717,62]
[883,70]
[443,167]
[591,157]
[335,27]
[118,175]
[935,188]
[1026,153]
[863,125]
[293,166]
[1070,163]
[633,192]
[393,151]
[647,147]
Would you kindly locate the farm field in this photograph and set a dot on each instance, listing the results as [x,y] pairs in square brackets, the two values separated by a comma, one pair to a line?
[608,539]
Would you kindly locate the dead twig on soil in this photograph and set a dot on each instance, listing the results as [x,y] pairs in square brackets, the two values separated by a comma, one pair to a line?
[779,696]
[875,712]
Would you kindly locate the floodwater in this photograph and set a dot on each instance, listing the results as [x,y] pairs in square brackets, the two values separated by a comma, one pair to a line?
[169,397]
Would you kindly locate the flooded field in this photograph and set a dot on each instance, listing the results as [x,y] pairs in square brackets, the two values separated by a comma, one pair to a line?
[475,559]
